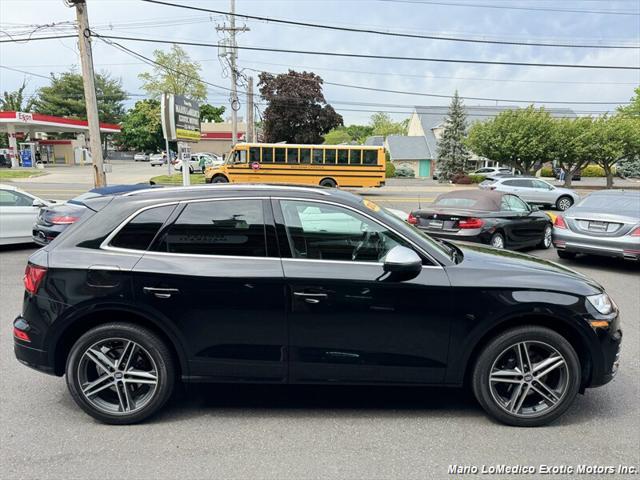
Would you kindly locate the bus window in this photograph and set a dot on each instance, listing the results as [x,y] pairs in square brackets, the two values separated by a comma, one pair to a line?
[280,154]
[317,155]
[292,155]
[267,155]
[240,156]
[254,154]
[330,156]
[343,156]
[355,157]
[305,155]
[370,157]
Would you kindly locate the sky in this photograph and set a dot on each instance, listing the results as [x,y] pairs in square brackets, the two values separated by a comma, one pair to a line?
[588,22]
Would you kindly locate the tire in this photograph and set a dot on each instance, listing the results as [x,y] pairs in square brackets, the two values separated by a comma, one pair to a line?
[328,182]
[497,240]
[566,255]
[220,179]
[190,170]
[503,401]
[151,361]
[546,241]
[564,203]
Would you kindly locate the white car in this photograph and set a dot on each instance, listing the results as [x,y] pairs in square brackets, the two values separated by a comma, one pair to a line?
[158,159]
[199,162]
[141,157]
[487,171]
[18,212]
[533,190]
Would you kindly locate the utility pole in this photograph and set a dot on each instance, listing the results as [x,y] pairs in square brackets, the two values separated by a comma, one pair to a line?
[232,58]
[86,59]
[250,123]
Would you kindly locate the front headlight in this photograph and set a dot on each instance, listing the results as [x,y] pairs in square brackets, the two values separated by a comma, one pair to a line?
[602,303]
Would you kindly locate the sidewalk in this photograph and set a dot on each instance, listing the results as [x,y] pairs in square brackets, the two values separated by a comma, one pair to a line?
[122,172]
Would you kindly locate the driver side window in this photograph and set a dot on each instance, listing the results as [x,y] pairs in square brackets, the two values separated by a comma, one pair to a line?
[326,232]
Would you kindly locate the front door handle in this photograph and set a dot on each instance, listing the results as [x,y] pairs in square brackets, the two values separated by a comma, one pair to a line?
[161,292]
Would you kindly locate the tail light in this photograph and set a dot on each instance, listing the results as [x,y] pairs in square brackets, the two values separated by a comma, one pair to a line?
[64,220]
[559,222]
[33,276]
[21,335]
[470,223]
[412,220]
[634,233]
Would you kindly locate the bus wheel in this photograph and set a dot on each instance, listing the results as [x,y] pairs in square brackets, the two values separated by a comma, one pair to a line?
[220,179]
[328,182]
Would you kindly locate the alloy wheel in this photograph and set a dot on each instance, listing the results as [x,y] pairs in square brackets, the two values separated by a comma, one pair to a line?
[547,236]
[117,376]
[564,204]
[529,379]
[497,241]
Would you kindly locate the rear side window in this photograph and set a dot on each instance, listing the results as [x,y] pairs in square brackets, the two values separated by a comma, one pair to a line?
[370,157]
[141,230]
[222,227]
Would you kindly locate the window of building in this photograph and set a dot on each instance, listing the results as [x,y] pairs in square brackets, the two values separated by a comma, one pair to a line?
[141,230]
[223,227]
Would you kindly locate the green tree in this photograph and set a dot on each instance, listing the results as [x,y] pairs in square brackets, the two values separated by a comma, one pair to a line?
[381,124]
[612,140]
[211,113]
[452,152]
[337,136]
[64,97]
[297,111]
[359,133]
[518,138]
[141,127]
[633,109]
[175,73]
[14,102]
[571,150]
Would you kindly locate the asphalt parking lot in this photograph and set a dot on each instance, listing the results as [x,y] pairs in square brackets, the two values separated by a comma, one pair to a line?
[311,432]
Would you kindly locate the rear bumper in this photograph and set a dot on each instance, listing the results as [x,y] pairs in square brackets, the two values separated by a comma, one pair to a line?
[471,235]
[27,354]
[623,247]
[44,235]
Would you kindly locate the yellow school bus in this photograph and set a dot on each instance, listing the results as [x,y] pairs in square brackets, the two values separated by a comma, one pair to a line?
[326,165]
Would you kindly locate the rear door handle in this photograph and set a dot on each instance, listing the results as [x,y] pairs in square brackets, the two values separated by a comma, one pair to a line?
[161,292]
[312,298]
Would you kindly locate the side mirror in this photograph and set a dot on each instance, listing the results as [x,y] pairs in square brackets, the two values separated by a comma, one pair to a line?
[402,263]
[534,208]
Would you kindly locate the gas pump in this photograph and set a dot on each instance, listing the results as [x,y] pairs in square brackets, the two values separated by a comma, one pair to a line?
[27,154]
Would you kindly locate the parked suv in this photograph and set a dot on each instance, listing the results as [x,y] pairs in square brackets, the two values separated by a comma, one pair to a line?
[533,190]
[283,284]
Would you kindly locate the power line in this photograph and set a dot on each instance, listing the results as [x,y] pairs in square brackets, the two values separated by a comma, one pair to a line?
[483,99]
[382,32]
[378,57]
[512,7]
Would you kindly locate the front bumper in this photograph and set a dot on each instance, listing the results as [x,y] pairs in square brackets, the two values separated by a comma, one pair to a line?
[627,247]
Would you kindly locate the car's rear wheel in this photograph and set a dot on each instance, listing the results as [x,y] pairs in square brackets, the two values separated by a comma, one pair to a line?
[220,179]
[564,203]
[120,373]
[497,240]
[566,255]
[527,376]
[546,237]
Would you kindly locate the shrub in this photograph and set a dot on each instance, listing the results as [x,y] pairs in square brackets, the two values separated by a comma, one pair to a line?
[630,168]
[390,170]
[593,171]
[546,172]
[461,179]
[477,178]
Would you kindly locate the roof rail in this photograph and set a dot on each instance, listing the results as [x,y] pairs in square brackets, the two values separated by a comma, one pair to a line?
[230,186]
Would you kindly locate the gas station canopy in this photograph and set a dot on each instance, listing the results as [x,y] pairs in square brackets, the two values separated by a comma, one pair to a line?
[37,122]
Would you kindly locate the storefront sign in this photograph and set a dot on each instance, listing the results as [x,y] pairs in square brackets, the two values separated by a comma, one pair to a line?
[180,118]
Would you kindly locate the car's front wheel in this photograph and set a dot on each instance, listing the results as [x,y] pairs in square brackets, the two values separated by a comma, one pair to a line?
[527,376]
[120,373]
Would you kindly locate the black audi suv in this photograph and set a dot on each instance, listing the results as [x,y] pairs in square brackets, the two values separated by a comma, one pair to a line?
[286,284]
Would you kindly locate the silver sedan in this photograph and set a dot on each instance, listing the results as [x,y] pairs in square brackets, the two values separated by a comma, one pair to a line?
[604,223]
[533,190]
